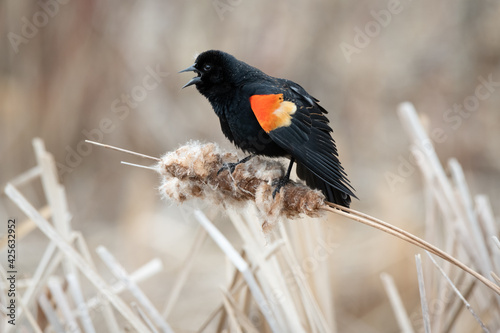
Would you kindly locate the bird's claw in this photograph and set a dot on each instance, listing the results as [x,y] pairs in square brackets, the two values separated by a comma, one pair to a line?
[232,166]
[228,166]
[279,183]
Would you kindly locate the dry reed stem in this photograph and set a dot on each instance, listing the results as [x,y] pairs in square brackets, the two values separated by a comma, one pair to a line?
[242,266]
[144,317]
[307,300]
[181,279]
[474,232]
[191,172]
[236,285]
[120,273]
[50,314]
[147,270]
[47,265]
[396,303]
[230,302]
[66,248]
[456,307]
[123,150]
[459,294]
[83,311]
[270,272]
[60,298]
[410,238]
[29,316]
[234,324]
[72,255]
[423,297]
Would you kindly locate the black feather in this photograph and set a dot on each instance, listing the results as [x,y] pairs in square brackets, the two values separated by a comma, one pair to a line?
[229,83]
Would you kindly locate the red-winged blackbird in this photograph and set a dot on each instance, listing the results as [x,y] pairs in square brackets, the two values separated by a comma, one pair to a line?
[264,115]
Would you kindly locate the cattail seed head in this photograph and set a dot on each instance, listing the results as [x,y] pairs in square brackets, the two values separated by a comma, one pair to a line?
[191,172]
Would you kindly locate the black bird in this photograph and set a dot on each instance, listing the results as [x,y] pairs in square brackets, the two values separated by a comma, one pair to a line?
[264,115]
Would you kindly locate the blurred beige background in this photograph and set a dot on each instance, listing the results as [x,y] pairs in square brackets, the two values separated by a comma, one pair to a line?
[107,71]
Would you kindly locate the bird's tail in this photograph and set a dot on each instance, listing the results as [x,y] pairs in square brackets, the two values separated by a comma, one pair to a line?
[331,193]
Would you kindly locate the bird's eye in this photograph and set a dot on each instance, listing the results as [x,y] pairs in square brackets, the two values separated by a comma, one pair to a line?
[207,67]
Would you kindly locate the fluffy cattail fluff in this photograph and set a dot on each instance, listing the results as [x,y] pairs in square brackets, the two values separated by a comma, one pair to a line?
[191,172]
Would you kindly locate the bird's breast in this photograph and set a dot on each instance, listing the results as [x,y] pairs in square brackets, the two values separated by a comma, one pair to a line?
[245,130]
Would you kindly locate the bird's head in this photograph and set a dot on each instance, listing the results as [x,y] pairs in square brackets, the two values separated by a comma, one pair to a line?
[215,72]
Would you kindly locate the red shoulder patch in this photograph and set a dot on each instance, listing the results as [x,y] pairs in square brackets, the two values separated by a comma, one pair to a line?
[272,111]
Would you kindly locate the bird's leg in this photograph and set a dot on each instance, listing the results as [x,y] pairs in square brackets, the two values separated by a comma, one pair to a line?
[280,182]
[232,166]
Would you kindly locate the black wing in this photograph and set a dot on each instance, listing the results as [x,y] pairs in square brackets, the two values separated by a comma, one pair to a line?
[308,138]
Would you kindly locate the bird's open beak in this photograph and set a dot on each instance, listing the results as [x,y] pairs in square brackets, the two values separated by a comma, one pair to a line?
[189,69]
[195,79]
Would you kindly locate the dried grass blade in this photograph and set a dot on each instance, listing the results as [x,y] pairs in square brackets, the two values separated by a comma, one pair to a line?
[83,312]
[396,303]
[459,294]
[120,273]
[423,298]
[242,266]
[74,256]
[123,150]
